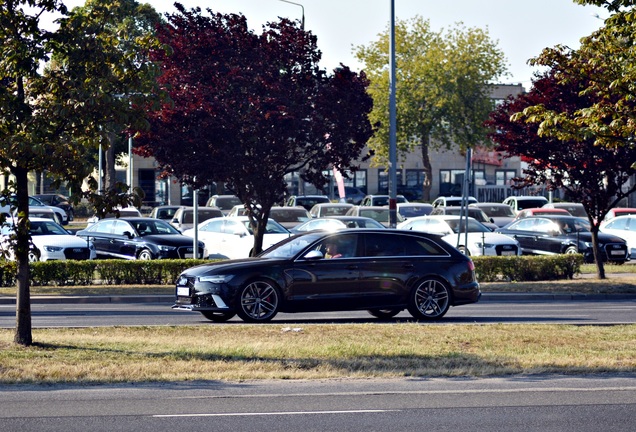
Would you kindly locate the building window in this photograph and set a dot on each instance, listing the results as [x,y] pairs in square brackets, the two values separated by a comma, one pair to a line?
[451,181]
[383,180]
[504,177]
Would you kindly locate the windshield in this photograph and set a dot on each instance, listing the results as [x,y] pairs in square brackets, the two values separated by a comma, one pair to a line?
[573,225]
[498,211]
[154,226]
[272,227]
[46,228]
[523,204]
[292,246]
[473,226]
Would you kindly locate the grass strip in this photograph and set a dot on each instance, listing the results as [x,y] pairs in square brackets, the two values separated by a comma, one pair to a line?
[247,352]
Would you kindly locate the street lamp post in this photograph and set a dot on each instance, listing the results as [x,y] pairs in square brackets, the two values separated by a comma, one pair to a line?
[392,126]
[302,22]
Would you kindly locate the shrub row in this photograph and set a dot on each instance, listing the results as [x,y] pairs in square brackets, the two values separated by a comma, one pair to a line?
[165,272]
[100,272]
[527,268]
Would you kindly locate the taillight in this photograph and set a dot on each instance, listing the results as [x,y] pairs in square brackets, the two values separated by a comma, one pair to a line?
[471,265]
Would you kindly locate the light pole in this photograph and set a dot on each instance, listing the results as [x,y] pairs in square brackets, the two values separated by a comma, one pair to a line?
[302,22]
[392,126]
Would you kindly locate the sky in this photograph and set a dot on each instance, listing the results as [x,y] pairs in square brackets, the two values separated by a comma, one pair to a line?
[522,28]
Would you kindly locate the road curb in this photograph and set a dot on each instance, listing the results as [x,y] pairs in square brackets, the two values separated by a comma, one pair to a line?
[169,299]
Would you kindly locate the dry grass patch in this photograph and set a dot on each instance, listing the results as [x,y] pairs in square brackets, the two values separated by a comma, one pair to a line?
[241,352]
[614,285]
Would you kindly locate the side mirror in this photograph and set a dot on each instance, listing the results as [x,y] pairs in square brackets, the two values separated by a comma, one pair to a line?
[492,220]
[128,234]
[313,255]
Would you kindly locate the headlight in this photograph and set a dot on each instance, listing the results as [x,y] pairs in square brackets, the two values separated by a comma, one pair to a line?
[216,279]
[479,245]
[167,248]
[53,248]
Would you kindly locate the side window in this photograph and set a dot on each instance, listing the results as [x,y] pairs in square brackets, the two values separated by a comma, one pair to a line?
[383,245]
[214,226]
[339,246]
[524,225]
[618,223]
[121,227]
[231,227]
[104,227]
[418,247]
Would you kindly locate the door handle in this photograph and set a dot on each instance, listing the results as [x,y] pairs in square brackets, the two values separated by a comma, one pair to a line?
[352,267]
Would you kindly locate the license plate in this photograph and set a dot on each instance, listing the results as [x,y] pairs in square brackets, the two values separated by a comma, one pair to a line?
[618,252]
[183,291]
[189,255]
[508,253]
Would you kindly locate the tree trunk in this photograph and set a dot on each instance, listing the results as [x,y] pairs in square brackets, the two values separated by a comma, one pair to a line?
[426,166]
[110,174]
[600,267]
[23,334]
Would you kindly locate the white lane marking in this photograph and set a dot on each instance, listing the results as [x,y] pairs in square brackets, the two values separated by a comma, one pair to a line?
[272,413]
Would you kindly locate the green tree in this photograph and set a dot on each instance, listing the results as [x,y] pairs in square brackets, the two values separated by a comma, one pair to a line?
[442,91]
[596,176]
[57,95]
[605,62]
[248,109]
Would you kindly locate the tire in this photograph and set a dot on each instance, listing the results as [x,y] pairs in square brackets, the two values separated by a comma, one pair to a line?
[429,300]
[34,255]
[464,250]
[570,250]
[144,255]
[218,316]
[259,301]
[384,313]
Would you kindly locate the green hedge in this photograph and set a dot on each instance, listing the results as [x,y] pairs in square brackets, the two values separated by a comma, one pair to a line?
[527,268]
[100,272]
[165,272]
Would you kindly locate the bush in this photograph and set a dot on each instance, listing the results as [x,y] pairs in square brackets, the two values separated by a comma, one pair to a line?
[527,268]
[165,272]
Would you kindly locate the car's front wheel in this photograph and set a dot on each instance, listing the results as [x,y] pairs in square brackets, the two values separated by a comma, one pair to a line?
[384,313]
[571,250]
[259,301]
[144,255]
[430,299]
[218,316]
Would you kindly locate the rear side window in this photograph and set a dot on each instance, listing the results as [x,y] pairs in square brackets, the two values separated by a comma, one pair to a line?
[405,245]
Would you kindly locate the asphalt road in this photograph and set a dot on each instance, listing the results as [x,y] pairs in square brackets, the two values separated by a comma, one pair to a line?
[149,314]
[514,404]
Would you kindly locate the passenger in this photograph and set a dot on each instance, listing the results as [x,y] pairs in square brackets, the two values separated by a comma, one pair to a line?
[331,251]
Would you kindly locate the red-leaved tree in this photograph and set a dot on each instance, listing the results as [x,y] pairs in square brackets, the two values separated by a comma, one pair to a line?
[247,109]
[593,175]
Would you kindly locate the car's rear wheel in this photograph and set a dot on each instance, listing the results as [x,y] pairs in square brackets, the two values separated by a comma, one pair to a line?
[259,301]
[218,316]
[464,250]
[144,255]
[384,313]
[430,299]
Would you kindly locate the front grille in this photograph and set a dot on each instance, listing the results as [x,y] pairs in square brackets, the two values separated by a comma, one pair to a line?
[506,249]
[78,253]
[615,251]
[187,252]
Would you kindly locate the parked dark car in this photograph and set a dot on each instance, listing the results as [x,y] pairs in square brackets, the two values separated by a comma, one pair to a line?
[60,201]
[546,235]
[164,212]
[139,238]
[382,271]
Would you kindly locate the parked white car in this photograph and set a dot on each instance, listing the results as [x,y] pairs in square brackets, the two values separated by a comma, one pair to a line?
[625,228]
[50,242]
[232,237]
[481,241]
